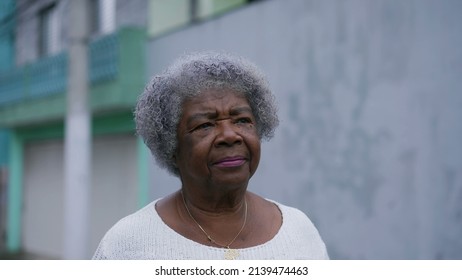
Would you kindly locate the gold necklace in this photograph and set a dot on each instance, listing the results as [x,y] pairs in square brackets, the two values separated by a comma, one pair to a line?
[230,253]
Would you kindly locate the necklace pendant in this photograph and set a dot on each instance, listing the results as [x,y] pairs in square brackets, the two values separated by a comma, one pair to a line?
[231,254]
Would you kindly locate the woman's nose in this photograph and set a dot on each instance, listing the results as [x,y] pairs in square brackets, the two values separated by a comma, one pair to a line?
[227,134]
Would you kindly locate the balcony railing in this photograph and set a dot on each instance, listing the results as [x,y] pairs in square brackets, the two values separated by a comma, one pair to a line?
[49,76]
[104,54]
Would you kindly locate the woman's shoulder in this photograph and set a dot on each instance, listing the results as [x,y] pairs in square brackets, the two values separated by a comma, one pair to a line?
[288,215]
[297,228]
[294,217]
[291,219]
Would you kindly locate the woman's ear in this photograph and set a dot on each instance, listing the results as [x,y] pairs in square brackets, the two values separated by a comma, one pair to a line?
[175,160]
[175,164]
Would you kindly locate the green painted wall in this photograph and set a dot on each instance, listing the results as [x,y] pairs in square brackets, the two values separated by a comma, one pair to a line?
[7,23]
[6,52]
[14,204]
[167,15]
[209,8]
[106,124]
[4,141]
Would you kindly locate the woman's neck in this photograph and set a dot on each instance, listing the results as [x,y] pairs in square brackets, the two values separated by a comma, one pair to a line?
[214,203]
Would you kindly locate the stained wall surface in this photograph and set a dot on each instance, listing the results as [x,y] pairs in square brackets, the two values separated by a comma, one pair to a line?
[370,98]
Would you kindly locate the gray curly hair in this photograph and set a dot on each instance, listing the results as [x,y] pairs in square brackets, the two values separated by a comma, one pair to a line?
[159,108]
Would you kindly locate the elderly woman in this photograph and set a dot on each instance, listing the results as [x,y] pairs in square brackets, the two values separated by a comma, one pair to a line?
[203,120]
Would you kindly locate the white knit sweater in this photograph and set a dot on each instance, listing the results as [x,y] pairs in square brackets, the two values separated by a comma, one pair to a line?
[143,235]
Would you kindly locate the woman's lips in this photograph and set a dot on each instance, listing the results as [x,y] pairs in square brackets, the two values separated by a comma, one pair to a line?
[230,162]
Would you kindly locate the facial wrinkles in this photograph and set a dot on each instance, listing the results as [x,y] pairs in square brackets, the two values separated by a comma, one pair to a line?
[222,110]
[216,108]
[237,122]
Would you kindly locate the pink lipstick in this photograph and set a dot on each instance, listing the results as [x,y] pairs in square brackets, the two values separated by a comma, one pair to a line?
[230,162]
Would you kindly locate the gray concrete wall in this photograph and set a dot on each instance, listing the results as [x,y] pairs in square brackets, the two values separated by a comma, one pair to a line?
[370,97]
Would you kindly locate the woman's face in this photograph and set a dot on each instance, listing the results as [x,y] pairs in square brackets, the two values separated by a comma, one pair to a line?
[218,144]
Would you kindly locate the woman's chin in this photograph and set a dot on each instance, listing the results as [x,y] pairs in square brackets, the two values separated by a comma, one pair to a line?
[237,175]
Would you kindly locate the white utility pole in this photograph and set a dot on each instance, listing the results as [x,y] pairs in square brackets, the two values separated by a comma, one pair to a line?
[77,145]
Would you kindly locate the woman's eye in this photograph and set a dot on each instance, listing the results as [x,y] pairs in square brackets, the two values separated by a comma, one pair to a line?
[204,126]
[244,120]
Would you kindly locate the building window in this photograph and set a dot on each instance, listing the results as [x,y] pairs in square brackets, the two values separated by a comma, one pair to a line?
[48,31]
[102,17]
[95,25]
